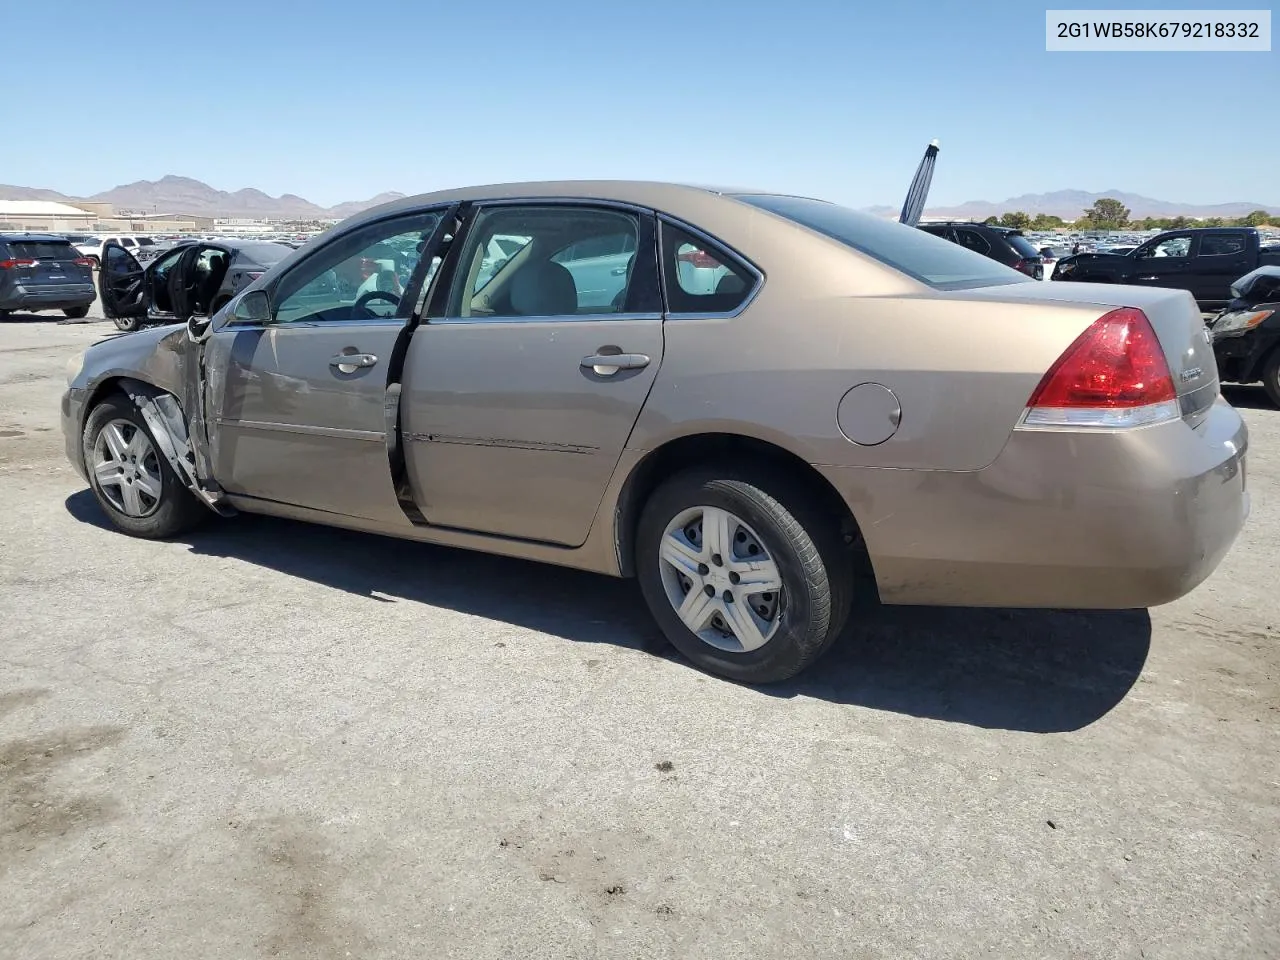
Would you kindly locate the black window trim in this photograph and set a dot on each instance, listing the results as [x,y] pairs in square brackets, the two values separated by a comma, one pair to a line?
[437,313]
[732,255]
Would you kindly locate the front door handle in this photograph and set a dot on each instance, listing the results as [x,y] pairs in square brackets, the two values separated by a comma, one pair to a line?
[607,364]
[350,362]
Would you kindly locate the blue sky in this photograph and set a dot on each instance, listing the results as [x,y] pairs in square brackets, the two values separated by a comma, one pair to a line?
[834,99]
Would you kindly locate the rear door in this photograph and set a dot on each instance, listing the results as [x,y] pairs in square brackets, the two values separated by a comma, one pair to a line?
[121,283]
[523,384]
[1223,258]
[297,402]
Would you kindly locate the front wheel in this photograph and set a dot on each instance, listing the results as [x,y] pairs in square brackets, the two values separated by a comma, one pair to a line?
[130,478]
[76,313]
[742,576]
[1271,375]
[128,324]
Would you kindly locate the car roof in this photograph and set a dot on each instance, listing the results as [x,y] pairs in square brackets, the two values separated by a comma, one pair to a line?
[644,193]
[39,237]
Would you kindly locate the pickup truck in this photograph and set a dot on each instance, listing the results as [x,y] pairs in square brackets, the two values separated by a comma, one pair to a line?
[1205,261]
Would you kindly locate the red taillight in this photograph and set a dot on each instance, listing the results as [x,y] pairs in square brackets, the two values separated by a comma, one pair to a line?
[10,264]
[699,258]
[1113,375]
[82,262]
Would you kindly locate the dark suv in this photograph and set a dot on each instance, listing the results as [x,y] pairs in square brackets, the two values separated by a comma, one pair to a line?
[43,272]
[1005,244]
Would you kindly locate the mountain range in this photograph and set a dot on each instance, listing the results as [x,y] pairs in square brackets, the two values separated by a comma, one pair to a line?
[183,195]
[1069,204]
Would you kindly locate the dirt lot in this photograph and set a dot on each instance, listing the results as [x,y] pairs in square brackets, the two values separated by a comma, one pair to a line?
[279,740]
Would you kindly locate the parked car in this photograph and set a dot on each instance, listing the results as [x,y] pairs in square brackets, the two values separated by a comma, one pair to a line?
[852,394]
[131,243]
[188,279]
[1002,244]
[1049,256]
[1246,335]
[1205,261]
[43,272]
[86,244]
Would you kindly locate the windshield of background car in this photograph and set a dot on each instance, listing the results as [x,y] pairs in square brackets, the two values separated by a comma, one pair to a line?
[931,260]
[42,250]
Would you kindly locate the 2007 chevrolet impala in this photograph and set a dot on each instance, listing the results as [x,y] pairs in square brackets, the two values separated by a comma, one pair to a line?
[730,396]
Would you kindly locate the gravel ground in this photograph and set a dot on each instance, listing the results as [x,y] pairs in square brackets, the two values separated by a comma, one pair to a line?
[277,740]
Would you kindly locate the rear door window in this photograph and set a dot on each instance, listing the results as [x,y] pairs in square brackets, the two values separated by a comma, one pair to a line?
[43,250]
[700,276]
[1222,244]
[552,261]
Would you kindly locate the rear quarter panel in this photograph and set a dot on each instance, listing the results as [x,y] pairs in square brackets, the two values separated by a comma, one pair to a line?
[962,372]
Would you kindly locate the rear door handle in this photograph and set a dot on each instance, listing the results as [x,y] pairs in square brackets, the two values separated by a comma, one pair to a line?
[350,362]
[607,364]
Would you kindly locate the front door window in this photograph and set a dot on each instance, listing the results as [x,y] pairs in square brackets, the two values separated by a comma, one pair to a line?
[361,277]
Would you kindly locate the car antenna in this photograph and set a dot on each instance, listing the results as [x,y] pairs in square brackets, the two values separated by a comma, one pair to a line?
[918,192]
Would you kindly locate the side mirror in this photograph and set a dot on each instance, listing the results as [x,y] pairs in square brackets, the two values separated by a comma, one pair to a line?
[254,307]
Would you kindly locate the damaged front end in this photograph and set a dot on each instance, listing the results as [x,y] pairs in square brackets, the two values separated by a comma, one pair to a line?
[169,428]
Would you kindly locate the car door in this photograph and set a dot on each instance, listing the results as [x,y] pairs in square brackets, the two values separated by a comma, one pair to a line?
[296,398]
[122,286]
[1223,258]
[1164,262]
[521,388]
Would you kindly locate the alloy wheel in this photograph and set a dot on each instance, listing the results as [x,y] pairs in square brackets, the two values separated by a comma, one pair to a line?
[127,469]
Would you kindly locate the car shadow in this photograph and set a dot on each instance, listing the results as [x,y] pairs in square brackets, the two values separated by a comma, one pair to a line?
[55,316]
[1247,396]
[1039,671]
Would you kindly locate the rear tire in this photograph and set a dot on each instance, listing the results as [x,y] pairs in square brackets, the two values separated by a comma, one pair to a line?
[767,517]
[1271,375]
[76,313]
[175,510]
[128,324]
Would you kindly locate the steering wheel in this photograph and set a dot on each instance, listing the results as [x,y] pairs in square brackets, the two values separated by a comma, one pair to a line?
[364,301]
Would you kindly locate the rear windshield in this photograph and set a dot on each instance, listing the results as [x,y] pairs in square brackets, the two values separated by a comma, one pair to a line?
[42,250]
[146,242]
[931,260]
[1020,243]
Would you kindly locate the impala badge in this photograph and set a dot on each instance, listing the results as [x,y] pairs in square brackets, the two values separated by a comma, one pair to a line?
[1190,374]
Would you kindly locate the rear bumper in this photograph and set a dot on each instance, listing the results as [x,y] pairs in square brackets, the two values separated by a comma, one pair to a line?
[47,296]
[1108,520]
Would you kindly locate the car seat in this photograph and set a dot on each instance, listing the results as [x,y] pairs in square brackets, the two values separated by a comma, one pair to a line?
[544,289]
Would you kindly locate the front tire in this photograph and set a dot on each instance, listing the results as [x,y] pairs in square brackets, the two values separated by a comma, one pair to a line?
[1271,375]
[132,481]
[743,577]
[76,313]
[128,324]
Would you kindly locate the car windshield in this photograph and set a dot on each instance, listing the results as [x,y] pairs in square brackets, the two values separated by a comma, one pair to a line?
[43,250]
[931,260]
